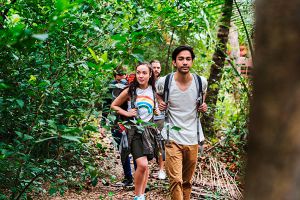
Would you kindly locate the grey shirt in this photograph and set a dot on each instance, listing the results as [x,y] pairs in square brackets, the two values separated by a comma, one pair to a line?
[182,110]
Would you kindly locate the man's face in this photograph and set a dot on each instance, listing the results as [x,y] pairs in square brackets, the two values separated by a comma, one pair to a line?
[119,77]
[156,69]
[183,61]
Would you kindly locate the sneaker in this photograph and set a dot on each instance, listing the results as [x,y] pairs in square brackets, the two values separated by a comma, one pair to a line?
[141,197]
[125,183]
[161,175]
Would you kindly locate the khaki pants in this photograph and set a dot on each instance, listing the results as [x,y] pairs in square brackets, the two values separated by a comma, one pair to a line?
[180,165]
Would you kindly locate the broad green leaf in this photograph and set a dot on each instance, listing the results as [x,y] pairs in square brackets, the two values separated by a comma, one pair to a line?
[52,124]
[24,136]
[104,57]
[56,84]
[94,181]
[62,5]
[52,191]
[71,138]
[6,153]
[41,37]
[85,100]
[119,37]
[93,65]
[3,86]
[45,139]
[71,130]
[176,128]
[95,57]
[20,103]
[139,57]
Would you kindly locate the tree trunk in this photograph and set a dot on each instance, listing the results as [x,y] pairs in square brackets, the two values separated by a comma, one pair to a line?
[216,68]
[273,170]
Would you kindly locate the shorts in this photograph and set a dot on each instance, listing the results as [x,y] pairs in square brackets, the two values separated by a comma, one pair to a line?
[137,149]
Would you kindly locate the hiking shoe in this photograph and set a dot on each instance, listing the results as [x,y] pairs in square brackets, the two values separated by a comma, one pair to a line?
[125,183]
[141,197]
[161,175]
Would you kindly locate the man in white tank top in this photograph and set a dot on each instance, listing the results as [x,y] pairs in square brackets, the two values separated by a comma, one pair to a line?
[182,148]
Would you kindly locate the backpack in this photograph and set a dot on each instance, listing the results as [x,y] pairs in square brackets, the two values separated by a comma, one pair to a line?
[168,82]
[166,94]
[115,90]
[130,78]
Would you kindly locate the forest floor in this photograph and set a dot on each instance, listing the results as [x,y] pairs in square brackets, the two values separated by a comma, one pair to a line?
[211,181]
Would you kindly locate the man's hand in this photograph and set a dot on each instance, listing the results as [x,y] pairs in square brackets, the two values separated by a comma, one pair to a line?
[202,107]
[162,106]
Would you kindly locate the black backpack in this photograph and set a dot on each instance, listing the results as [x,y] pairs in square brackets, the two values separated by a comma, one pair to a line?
[168,82]
[115,90]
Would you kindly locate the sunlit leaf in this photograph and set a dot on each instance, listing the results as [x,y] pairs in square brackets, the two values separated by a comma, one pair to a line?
[41,37]
[3,86]
[95,57]
[20,103]
[176,128]
[45,139]
[71,138]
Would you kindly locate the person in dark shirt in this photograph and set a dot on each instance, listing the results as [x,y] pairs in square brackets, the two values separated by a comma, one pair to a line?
[115,88]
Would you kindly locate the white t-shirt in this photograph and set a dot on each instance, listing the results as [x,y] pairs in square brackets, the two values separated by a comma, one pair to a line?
[182,112]
[144,103]
[161,113]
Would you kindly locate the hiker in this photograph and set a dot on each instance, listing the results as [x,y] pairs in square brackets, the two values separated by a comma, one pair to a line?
[116,87]
[159,120]
[141,100]
[120,81]
[182,131]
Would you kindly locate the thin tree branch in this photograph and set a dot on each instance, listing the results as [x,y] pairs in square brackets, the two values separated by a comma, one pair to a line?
[169,51]
[239,75]
[245,28]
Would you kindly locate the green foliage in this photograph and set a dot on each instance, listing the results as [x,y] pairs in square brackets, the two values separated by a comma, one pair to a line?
[231,119]
[57,57]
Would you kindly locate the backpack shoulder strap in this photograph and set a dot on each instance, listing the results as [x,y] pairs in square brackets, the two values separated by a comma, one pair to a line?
[167,86]
[198,81]
[133,98]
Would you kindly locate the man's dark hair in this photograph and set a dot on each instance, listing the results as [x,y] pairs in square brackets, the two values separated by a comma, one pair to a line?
[182,48]
[119,71]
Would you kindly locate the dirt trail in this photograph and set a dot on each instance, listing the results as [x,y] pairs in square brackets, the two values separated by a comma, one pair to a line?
[211,181]
[106,189]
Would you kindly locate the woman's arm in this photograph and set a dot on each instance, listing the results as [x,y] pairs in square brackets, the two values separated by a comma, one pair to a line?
[116,105]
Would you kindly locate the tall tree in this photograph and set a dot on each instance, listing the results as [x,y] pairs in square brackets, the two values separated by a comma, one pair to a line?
[274,143]
[217,66]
